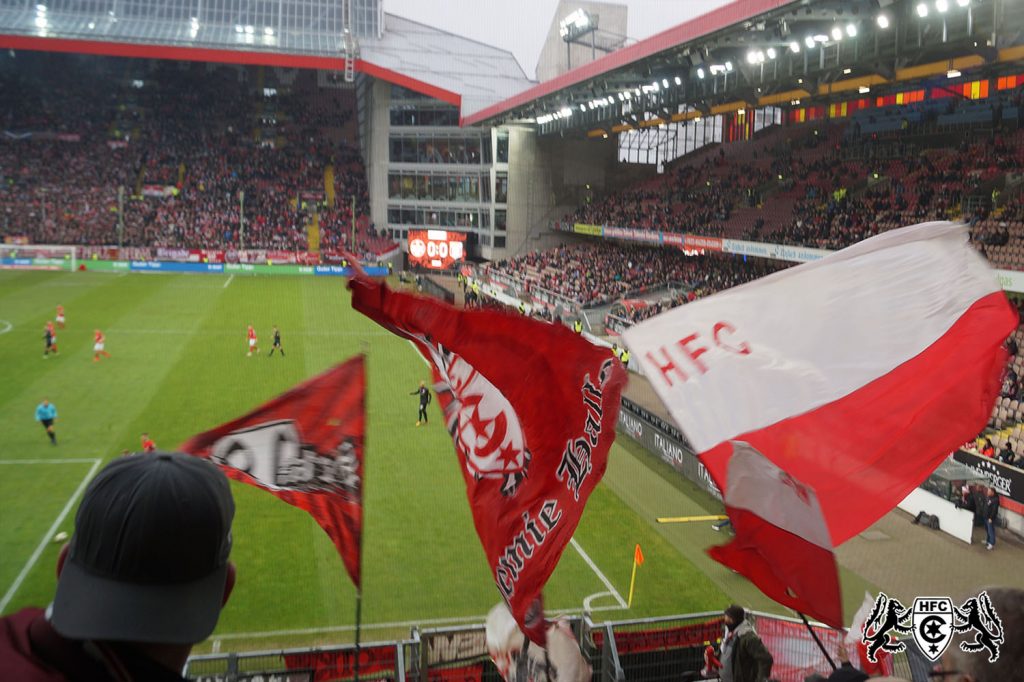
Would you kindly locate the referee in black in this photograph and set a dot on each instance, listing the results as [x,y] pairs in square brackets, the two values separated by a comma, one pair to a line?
[277,342]
[425,399]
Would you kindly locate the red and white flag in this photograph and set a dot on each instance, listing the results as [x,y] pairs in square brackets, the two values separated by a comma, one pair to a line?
[532,409]
[856,374]
[305,447]
[781,541]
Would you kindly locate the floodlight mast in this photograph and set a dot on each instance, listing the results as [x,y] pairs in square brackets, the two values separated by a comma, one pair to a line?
[574,27]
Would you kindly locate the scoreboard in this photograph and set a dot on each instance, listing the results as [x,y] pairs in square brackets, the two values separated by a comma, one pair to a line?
[436,249]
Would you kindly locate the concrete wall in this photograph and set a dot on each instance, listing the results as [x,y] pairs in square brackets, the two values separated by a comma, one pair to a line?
[553,59]
[549,177]
[377,151]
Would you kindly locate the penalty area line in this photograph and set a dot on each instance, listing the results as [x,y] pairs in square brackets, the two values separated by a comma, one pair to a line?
[46,538]
[229,281]
[5,326]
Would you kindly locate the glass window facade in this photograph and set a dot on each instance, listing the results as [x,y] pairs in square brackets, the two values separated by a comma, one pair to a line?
[440,175]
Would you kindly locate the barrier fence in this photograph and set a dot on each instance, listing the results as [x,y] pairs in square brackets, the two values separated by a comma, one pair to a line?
[667,649]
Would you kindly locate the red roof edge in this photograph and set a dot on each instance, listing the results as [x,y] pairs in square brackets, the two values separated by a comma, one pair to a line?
[222,56]
[715,20]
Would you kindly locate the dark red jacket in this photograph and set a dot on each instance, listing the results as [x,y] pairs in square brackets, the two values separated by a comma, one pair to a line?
[32,651]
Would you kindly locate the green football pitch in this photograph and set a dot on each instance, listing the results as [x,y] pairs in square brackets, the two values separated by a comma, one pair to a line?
[178,366]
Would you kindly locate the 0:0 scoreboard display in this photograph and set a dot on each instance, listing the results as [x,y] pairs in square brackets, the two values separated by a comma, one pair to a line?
[436,249]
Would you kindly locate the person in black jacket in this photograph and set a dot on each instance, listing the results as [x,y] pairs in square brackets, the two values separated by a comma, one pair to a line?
[991,511]
[425,398]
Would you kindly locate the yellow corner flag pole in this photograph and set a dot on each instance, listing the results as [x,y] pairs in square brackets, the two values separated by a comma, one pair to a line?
[689,519]
[638,559]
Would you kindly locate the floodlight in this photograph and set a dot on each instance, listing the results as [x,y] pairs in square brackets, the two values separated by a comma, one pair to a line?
[942,6]
[851,30]
[837,33]
[922,10]
[795,46]
[882,21]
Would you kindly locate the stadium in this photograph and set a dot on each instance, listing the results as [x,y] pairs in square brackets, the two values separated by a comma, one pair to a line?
[179,176]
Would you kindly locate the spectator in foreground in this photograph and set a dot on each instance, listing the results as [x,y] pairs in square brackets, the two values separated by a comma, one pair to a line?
[959,666]
[744,656]
[143,579]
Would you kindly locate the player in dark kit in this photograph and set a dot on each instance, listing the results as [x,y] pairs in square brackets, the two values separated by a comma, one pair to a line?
[50,337]
[425,399]
[277,342]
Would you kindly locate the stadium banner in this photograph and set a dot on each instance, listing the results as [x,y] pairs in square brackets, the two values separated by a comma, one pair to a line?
[664,440]
[202,268]
[592,230]
[1011,280]
[168,266]
[340,664]
[797,254]
[673,239]
[15,239]
[694,242]
[682,636]
[617,233]
[33,264]
[1007,480]
[159,191]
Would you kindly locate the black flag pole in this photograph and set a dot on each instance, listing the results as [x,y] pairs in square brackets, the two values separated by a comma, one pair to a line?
[362,525]
[817,641]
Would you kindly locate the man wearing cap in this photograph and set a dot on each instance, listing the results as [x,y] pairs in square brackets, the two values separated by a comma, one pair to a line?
[143,579]
[744,656]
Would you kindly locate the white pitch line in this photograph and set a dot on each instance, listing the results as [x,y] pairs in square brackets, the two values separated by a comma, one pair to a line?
[7,326]
[229,281]
[48,461]
[601,576]
[46,538]
[575,545]
[383,626]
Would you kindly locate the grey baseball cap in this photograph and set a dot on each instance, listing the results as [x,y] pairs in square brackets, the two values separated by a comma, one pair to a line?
[148,559]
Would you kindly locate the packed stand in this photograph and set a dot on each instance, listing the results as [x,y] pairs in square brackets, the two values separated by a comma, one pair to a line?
[185,143]
[598,273]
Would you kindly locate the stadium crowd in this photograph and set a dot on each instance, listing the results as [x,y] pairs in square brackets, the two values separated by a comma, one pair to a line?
[185,143]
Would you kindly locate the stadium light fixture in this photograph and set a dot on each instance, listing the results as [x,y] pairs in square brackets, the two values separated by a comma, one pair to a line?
[654,86]
[728,66]
[700,74]
[249,30]
[922,10]
[794,47]
[92,25]
[794,102]
[664,83]
[771,53]
[679,81]
[583,108]
[882,21]
[837,33]
[821,38]
[239,29]
[41,9]
[953,73]
[751,57]
[942,6]
[963,3]
[267,31]
[566,112]
[847,71]
[628,94]
[809,42]
[851,30]
[863,89]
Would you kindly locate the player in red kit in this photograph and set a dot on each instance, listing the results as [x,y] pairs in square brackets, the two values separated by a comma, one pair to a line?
[253,348]
[147,443]
[97,346]
[60,316]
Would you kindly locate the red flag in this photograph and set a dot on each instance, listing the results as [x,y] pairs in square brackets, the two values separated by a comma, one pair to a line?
[782,543]
[532,409]
[306,447]
[638,556]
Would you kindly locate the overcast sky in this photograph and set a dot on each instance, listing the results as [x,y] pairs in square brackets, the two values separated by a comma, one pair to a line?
[522,25]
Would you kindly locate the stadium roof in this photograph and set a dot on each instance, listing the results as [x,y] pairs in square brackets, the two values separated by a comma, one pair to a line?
[753,53]
[288,33]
